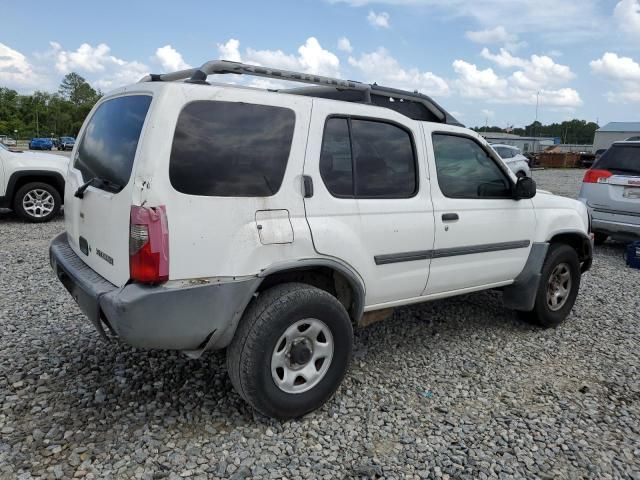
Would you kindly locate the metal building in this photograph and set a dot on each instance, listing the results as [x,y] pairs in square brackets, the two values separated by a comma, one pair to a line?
[615,132]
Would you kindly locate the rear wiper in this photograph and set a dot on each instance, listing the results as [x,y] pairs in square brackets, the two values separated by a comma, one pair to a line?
[98,182]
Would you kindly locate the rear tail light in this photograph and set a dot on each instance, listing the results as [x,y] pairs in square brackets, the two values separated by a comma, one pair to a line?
[149,245]
[596,176]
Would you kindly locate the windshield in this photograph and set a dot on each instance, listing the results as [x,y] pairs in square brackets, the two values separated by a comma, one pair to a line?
[623,159]
[67,139]
[110,140]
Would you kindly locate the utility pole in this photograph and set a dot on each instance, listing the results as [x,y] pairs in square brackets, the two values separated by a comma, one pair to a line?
[537,104]
[37,127]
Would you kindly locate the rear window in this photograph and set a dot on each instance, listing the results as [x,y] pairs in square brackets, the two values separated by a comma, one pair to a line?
[110,140]
[621,159]
[231,149]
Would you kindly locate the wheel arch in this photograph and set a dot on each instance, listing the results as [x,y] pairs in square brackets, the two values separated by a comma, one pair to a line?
[330,275]
[580,242]
[18,179]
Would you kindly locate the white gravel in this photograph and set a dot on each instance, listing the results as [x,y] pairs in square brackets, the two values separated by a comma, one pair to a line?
[452,389]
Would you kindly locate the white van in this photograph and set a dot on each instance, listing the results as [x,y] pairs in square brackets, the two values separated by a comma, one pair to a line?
[203,216]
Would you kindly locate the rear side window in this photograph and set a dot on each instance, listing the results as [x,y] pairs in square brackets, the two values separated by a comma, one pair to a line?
[367,159]
[623,159]
[110,140]
[231,149]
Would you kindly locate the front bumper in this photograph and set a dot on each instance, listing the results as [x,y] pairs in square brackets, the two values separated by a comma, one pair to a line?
[190,317]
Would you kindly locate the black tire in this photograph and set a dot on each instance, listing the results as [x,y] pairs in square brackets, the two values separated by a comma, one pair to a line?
[542,314]
[599,238]
[521,174]
[29,187]
[260,329]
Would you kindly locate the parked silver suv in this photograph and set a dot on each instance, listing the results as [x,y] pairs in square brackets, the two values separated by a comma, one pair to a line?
[611,191]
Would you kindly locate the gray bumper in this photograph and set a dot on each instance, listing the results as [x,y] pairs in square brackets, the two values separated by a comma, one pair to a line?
[191,318]
[614,226]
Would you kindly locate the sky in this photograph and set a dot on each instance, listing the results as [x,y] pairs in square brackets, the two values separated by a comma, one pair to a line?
[488,61]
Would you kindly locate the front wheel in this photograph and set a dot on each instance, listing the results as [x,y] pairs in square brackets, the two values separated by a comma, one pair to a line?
[37,202]
[291,350]
[558,289]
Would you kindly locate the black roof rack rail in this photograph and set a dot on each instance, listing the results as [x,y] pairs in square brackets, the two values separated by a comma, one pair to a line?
[412,104]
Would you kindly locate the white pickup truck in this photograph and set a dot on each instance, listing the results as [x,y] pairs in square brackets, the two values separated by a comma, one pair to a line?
[32,184]
[203,215]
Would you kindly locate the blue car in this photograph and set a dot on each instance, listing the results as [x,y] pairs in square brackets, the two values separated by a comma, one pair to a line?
[40,144]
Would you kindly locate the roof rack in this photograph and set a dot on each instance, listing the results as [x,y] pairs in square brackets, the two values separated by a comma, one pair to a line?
[412,104]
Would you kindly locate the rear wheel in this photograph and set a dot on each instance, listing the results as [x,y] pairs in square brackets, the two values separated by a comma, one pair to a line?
[558,287]
[599,238]
[37,202]
[291,350]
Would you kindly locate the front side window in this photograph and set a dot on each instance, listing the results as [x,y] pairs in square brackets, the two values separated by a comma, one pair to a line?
[110,140]
[367,159]
[465,170]
[231,149]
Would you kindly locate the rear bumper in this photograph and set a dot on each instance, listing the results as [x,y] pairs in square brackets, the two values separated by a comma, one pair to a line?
[170,316]
[614,227]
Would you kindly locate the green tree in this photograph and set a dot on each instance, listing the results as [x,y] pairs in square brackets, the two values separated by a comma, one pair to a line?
[75,89]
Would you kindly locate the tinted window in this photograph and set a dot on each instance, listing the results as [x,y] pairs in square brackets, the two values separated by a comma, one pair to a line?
[503,152]
[623,159]
[335,159]
[380,154]
[466,171]
[384,160]
[110,140]
[231,149]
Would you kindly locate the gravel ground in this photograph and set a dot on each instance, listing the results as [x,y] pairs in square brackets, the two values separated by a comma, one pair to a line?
[451,389]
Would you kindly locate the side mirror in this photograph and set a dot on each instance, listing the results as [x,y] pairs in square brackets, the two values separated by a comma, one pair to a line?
[525,188]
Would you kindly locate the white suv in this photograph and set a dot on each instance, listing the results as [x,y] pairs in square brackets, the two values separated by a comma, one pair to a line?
[203,216]
[32,184]
[517,162]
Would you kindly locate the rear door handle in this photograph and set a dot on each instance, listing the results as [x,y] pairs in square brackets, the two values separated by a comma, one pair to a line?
[450,217]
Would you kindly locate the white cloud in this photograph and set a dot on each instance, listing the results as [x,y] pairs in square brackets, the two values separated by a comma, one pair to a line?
[15,69]
[561,21]
[113,71]
[480,84]
[503,59]
[230,50]
[345,45]
[170,59]
[311,58]
[381,67]
[536,72]
[624,72]
[627,15]
[537,77]
[497,35]
[488,113]
[378,20]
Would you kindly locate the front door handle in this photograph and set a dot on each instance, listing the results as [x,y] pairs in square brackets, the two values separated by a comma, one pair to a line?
[450,217]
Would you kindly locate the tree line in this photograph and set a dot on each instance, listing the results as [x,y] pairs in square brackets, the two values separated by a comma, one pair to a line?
[574,131]
[44,114]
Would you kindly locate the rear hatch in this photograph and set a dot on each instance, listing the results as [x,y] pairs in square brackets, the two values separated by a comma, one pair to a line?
[98,223]
[618,191]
